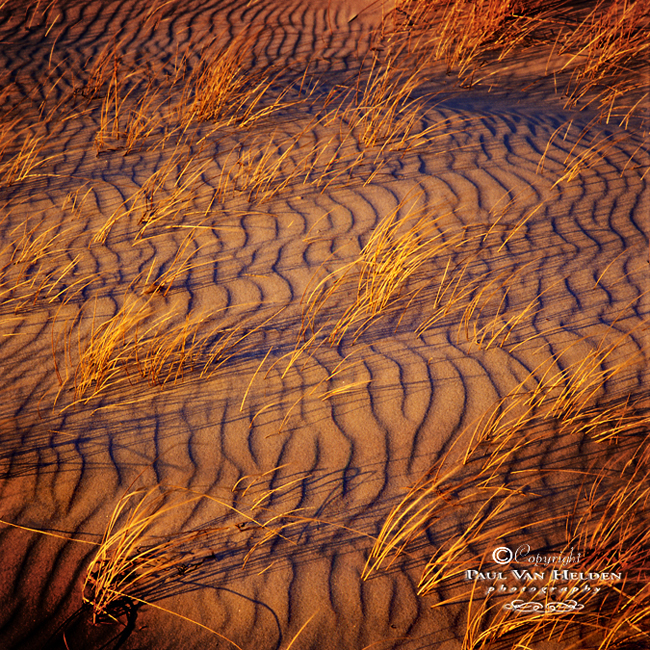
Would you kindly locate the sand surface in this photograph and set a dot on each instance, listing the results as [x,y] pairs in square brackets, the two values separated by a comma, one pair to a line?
[303,455]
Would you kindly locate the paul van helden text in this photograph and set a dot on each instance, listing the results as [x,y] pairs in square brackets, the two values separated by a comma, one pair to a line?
[528,581]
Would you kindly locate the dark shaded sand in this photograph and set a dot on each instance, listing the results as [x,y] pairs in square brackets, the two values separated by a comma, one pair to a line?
[305,459]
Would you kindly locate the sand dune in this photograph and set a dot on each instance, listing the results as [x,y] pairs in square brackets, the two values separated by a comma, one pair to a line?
[190,305]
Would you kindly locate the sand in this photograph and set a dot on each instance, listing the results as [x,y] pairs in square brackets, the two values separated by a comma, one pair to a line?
[302,458]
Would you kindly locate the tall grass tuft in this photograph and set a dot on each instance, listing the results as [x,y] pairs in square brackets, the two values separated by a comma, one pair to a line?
[490,484]
[225,87]
[601,46]
[413,267]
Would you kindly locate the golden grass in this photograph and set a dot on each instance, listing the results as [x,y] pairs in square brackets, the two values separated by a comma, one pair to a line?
[132,560]
[105,64]
[138,554]
[124,563]
[259,168]
[263,167]
[381,112]
[460,33]
[159,348]
[383,108]
[256,170]
[123,126]
[35,14]
[397,249]
[28,129]
[225,87]
[483,481]
[22,150]
[411,267]
[565,389]
[602,44]
[139,339]
[608,43]
[34,265]
[134,101]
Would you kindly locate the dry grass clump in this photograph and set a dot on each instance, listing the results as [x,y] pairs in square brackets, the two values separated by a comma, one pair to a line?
[140,560]
[36,265]
[607,47]
[262,167]
[410,265]
[385,107]
[384,110]
[161,349]
[136,558]
[395,252]
[486,483]
[565,389]
[225,87]
[440,495]
[135,99]
[141,340]
[101,73]
[135,103]
[160,353]
[461,33]
[124,125]
[29,122]
[127,563]
[22,149]
[604,42]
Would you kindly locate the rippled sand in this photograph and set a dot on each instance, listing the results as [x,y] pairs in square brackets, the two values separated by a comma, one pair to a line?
[321,448]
